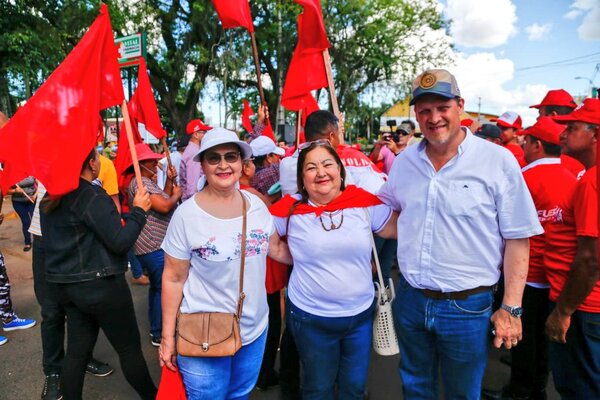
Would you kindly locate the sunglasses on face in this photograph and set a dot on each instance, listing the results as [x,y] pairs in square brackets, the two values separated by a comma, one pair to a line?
[314,143]
[215,158]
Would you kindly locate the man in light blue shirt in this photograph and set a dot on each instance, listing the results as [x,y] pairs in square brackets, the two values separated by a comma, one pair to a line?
[464,202]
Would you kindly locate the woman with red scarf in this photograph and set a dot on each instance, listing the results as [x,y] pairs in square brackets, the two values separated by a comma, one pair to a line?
[331,294]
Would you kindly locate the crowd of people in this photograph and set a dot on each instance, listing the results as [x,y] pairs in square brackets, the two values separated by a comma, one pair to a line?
[503,225]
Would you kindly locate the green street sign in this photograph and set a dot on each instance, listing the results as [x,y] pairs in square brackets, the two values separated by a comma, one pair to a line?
[131,48]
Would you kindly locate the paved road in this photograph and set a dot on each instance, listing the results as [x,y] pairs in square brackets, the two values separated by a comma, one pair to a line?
[21,375]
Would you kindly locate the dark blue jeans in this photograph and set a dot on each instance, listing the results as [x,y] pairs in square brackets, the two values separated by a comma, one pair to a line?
[576,364]
[154,263]
[450,336]
[25,210]
[134,263]
[332,350]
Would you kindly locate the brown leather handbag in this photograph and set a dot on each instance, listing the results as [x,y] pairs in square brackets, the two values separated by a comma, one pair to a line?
[214,334]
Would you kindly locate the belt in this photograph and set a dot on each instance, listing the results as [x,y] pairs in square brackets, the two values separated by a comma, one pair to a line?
[462,295]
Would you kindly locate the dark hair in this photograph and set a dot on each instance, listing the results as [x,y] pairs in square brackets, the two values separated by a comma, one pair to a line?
[92,154]
[409,122]
[259,161]
[300,168]
[550,149]
[559,110]
[319,124]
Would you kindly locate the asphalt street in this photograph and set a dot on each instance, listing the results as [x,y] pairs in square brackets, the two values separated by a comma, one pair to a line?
[21,375]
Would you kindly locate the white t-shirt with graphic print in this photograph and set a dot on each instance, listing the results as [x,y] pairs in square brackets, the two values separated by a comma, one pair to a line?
[213,247]
[332,269]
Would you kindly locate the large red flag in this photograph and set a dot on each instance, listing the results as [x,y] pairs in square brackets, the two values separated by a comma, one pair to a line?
[234,13]
[247,112]
[50,136]
[306,71]
[142,106]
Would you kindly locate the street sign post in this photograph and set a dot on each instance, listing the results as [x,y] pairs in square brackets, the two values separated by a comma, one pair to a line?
[131,48]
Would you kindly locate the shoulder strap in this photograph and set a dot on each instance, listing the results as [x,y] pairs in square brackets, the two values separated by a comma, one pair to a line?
[375,256]
[242,256]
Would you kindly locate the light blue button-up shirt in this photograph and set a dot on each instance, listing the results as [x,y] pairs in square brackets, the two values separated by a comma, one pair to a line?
[453,222]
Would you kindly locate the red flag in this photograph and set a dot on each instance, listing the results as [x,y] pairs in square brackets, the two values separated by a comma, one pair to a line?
[234,13]
[50,136]
[307,68]
[123,158]
[268,131]
[142,106]
[247,112]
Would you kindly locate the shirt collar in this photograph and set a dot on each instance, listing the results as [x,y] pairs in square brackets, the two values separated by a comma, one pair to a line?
[541,161]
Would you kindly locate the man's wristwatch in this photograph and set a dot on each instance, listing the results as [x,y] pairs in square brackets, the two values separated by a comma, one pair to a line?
[515,311]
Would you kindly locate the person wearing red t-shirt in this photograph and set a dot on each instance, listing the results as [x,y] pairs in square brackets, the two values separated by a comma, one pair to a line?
[571,259]
[560,102]
[510,123]
[550,184]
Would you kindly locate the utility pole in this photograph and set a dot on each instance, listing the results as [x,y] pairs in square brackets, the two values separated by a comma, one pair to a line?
[479,110]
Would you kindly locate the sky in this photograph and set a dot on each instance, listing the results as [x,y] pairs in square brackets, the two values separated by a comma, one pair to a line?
[510,53]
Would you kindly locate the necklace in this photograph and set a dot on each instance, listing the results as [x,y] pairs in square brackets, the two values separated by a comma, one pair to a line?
[332,225]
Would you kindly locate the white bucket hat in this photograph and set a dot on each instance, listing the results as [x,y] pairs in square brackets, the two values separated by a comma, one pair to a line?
[218,136]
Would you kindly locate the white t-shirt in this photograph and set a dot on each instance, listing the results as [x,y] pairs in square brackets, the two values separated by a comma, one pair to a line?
[213,247]
[332,269]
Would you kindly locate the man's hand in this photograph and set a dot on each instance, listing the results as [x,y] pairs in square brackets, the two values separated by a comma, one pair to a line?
[557,326]
[508,329]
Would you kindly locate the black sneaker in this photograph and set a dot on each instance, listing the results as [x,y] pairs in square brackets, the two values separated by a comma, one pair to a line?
[155,340]
[98,368]
[52,388]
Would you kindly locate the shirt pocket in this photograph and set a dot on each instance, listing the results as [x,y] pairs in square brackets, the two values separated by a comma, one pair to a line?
[464,199]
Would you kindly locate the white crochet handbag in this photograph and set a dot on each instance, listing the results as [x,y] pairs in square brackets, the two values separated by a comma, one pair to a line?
[385,341]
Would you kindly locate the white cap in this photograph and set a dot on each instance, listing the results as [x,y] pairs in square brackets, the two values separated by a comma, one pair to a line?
[262,145]
[218,136]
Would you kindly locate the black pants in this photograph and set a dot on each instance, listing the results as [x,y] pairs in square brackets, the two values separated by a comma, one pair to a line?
[102,303]
[53,313]
[267,369]
[529,371]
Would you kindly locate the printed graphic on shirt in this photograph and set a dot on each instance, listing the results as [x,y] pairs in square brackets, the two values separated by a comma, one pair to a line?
[554,215]
[257,242]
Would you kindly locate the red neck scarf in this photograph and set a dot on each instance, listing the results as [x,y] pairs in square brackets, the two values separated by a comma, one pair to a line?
[351,197]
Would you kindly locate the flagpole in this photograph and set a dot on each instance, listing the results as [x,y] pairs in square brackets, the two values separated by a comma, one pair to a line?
[257,66]
[167,152]
[136,165]
[332,95]
[298,123]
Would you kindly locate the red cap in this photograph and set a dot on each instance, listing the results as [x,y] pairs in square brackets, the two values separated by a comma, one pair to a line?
[588,111]
[466,122]
[196,125]
[545,129]
[509,119]
[144,152]
[558,97]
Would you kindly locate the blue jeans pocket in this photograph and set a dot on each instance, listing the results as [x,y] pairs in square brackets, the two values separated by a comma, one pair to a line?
[475,305]
[591,328]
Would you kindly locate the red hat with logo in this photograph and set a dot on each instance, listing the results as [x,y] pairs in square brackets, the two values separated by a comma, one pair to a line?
[144,152]
[545,129]
[509,119]
[558,97]
[196,125]
[588,111]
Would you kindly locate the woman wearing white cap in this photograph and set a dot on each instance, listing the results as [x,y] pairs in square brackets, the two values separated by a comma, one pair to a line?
[202,266]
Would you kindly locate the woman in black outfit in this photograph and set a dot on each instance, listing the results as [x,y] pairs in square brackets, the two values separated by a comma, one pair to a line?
[86,257]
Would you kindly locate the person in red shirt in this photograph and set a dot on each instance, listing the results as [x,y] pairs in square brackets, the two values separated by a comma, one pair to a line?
[571,259]
[560,102]
[510,123]
[550,184]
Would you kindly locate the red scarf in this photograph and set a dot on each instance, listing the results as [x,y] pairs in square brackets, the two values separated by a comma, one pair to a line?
[351,197]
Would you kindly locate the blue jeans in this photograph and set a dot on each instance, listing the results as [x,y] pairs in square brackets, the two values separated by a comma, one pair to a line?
[154,263]
[576,364]
[332,350]
[447,335]
[134,263]
[219,378]
[25,211]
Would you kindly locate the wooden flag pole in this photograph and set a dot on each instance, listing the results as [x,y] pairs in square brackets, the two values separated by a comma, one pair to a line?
[332,95]
[257,66]
[163,141]
[136,165]
[298,124]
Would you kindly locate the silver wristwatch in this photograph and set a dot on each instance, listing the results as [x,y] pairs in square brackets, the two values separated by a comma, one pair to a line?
[515,311]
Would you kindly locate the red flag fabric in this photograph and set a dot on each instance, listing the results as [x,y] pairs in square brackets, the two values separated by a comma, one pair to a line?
[307,68]
[123,158]
[247,112]
[142,106]
[234,13]
[50,136]
[171,385]
[268,131]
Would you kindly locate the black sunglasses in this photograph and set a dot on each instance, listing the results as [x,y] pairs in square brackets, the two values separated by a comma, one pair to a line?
[229,157]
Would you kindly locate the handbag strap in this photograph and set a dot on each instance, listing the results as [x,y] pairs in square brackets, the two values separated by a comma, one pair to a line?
[242,256]
[376,257]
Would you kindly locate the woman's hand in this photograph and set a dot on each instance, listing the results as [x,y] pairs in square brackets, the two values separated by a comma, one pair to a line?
[167,353]
[142,199]
[171,173]
[279,250]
